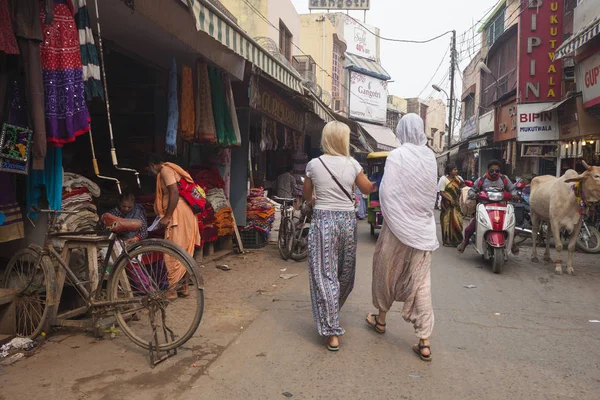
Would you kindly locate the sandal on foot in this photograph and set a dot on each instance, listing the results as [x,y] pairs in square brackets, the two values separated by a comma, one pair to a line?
[330,347]
[417,349]
[376,325]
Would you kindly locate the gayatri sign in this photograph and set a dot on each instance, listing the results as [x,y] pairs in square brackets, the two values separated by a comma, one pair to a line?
[540,33]
[339,4]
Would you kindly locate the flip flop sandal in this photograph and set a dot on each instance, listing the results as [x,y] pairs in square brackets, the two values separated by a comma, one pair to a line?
[332,348]
[417,349]
[376,325]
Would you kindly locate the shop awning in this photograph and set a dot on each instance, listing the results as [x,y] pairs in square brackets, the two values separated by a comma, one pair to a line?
[322,112]
[213,22]
[578,39]
[557,105]
[366,66]
[385,138]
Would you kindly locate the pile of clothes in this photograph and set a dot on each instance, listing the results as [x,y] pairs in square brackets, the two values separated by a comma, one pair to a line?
[77,195]
[260,213]
[223,212]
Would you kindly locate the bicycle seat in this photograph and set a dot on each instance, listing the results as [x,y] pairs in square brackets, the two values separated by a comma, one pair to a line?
[120,225]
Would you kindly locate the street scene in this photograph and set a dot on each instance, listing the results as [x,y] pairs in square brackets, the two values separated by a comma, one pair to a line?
[299,199]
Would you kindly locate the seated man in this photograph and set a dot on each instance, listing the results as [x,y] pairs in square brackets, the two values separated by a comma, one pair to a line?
[128,209]
[493,178]
[285,185]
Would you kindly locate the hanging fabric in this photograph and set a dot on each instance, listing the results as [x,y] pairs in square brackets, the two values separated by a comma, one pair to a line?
[173,111]
[8,41]
[187,119]
[205,120]
[232,110]
[51,178]
[88,51]
[66,112]
[223,122]
[11,218]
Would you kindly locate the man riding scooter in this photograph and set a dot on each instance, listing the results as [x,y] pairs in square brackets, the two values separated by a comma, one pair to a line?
[492,179]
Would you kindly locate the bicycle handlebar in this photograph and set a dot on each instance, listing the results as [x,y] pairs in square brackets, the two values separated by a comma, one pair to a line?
[282,198]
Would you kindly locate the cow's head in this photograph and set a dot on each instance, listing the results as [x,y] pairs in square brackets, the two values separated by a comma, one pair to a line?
[590,183]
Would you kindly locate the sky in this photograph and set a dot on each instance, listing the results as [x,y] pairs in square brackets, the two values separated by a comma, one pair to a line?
[412,66]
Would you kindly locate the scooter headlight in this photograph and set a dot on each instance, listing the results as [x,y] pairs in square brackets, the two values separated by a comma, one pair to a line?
[495,196]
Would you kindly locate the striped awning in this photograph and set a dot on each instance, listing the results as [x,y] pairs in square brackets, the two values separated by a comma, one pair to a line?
[366,66]
[322,112]
[578,39]
[213,22]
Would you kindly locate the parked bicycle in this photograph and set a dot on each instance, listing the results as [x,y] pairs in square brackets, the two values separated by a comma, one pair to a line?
[134,288]
[293,231]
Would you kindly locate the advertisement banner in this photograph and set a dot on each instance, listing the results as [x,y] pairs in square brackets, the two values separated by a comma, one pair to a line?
[535,124]
[588,80]
[360,41]
[540,34]
[368,98]
[339,4]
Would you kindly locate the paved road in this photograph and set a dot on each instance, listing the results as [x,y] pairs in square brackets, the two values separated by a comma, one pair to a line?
[524,334]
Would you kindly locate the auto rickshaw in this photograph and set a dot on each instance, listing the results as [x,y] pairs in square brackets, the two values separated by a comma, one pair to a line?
[375,167]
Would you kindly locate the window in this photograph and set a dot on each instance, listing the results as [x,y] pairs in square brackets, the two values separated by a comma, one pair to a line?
[469,106]
[285,41]
[495,28]
[335,80]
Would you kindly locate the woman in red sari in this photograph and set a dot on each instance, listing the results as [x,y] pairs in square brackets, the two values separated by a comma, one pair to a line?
[451,218]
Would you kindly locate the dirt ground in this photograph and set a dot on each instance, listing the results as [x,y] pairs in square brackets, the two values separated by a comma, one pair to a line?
[73,364]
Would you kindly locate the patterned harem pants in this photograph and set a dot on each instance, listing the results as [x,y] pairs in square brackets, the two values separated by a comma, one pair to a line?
[331,266]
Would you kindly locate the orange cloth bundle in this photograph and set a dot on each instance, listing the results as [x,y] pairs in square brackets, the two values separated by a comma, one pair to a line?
[224,221]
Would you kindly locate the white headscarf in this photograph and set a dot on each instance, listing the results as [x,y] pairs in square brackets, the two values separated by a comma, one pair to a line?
[409,187]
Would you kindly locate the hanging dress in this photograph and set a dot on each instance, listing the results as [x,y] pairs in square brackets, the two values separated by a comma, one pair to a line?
[66,112]
[8,42]
[89,54]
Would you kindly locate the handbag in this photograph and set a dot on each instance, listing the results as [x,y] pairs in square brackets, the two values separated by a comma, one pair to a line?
[351,198]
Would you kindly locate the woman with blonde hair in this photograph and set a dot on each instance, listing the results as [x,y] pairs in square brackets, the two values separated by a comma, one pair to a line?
[332,237]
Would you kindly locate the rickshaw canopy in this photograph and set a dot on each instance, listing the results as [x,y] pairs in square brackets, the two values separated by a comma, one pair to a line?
[378,154]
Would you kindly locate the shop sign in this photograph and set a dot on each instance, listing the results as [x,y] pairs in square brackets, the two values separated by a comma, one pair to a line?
[588,80]
[534,124]
[477,144]
[486,122]
[469,127]
[359,38]
[339,4]
[539,150]
[277,108]
[540,26]
[368,98]
[507,123]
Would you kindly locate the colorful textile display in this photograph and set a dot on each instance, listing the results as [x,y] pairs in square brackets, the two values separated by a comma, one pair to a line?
[207,225]
[8,42]
[11,218]
[173,111]
[66,112]
[89,54]
[209,178]
[187,118]
[260,214]
[224,221]
[223,123]
[205,120]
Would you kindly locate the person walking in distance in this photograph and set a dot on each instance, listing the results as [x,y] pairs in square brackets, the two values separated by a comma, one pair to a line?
[177,218]
[332,237]
[402,258]
[451,217]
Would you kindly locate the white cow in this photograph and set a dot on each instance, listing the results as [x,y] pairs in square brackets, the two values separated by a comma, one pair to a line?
[554,200]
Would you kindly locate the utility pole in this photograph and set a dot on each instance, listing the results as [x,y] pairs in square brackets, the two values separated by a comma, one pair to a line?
[452,66]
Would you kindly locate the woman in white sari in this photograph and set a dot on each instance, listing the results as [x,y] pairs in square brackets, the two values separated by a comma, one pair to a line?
[402,259]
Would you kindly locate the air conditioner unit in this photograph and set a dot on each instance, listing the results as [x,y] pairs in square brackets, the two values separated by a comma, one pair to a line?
[337,105]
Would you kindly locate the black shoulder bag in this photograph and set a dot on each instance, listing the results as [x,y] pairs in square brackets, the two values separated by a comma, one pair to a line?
[352,199]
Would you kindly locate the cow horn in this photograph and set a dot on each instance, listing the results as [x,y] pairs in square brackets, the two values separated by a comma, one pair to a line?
[585,165]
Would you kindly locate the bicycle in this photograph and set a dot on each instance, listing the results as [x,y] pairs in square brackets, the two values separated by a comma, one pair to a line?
[293,236]
[138,292]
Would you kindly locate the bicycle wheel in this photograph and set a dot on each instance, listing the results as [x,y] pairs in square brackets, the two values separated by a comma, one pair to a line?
[300,245]
[33,279]
[147,305]
[589,243]
[285,238]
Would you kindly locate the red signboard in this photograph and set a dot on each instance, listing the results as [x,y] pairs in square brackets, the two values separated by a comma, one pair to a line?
[540,34]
